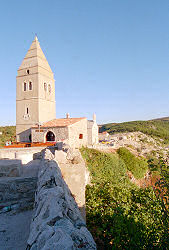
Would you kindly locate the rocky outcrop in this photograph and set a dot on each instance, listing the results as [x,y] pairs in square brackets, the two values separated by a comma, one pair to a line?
[57,222]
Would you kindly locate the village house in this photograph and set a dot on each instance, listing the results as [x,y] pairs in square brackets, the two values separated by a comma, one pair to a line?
[35,106]
[103,136]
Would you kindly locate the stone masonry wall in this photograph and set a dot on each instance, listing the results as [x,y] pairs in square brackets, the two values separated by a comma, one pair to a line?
[61,133]
[17,192]
[74,131]
[57,222]
[25,155]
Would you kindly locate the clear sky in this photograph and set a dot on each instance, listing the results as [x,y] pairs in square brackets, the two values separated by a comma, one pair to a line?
[110,57]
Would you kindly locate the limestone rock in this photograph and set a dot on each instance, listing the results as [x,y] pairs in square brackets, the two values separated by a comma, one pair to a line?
[57,222]
[48,153]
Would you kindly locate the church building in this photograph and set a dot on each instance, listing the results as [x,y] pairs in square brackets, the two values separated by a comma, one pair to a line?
[36,108]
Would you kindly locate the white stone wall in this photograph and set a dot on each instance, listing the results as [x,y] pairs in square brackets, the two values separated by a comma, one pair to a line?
[75,130]
[24,154]
[95,134]
[92,130]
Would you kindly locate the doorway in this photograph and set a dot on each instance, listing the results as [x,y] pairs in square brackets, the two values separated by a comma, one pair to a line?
[50,136]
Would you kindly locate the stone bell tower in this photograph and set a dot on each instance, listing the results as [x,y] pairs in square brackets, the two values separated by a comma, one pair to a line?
[35,92]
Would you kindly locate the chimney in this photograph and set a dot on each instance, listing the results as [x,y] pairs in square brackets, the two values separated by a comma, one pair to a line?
[67,115]
[94,117]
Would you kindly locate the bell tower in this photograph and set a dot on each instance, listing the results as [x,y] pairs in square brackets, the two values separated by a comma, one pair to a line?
[35,92]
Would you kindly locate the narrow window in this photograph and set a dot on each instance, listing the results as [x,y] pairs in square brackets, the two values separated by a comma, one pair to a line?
[24,86]
[45,86]
[49,87]
[80,136]
[30,86]
[27,111]
[27,71]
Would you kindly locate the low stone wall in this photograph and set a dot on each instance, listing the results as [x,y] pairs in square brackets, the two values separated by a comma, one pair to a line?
[73,170]
[17,193]
[24,154]
[57,222]
[10,168]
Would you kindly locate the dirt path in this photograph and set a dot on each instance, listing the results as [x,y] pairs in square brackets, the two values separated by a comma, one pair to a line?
[14,230]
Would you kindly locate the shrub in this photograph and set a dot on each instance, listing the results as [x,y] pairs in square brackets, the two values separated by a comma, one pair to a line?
[137,165]
[119,214]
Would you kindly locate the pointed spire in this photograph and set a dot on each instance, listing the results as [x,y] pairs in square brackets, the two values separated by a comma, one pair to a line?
[36,38]
[35,57]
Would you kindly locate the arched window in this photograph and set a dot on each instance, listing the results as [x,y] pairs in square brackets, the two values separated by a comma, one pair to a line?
[27,111]
[45,86]
[30,85]
[24,86]
[27,71]
[50,136]
[49,88]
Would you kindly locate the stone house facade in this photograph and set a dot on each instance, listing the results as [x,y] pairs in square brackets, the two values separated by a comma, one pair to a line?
[72,131]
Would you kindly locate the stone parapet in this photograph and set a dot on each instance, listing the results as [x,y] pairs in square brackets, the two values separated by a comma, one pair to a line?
[57,222]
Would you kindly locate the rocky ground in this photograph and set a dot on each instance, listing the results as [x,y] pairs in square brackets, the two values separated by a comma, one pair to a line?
[14,230]
[138,143]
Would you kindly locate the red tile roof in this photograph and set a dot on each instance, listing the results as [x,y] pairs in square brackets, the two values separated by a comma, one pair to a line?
[63,122]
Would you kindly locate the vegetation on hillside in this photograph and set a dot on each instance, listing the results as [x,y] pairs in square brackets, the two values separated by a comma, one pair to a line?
[8,134]
[137,165]
[121,215]
[157,128]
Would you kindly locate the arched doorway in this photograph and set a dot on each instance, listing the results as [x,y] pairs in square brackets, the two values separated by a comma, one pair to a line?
[50,136]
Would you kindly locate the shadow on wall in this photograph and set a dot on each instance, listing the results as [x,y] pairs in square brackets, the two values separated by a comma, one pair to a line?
[24,136]
[15,168]
[17,191]
[54,204]
[10,168]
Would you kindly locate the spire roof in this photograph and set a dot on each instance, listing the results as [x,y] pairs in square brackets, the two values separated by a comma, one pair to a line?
[35,57]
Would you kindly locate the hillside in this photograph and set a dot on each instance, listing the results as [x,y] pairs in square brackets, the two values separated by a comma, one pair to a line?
[8,134]
[157,128]
[161,119]
[119,214]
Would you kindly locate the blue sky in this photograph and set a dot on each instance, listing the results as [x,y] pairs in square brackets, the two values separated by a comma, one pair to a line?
[110,57]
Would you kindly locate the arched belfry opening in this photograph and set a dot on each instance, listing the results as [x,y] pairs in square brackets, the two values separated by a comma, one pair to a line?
[50,136]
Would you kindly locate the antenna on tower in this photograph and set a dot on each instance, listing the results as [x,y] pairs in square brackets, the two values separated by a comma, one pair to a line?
[36,36]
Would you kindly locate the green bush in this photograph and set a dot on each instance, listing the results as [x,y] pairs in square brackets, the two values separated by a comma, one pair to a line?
[137,165]
[103,165]
[119,214]
[8,134]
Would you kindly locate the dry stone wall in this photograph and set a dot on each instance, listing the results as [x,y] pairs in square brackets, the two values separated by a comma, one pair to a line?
[57,222]
[17,193]
[10,168]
